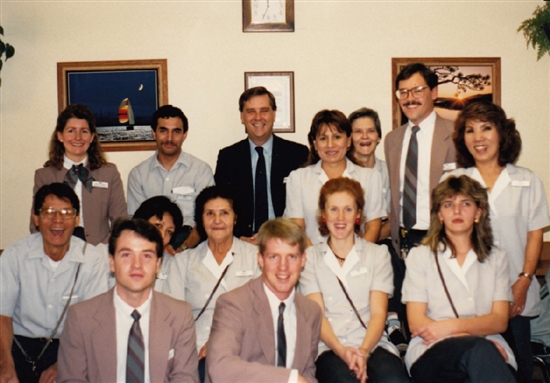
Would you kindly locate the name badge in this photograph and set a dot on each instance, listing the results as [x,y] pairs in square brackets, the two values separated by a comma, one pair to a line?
[449,166]
[244,273]
[161,275]
[521,183]
[66,297]
[100,184]
[362,270]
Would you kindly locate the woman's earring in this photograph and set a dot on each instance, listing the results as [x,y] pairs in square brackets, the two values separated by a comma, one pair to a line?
[476,220]
[324,220]
[357,221]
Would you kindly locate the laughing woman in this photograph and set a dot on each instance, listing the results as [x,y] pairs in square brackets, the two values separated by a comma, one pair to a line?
[350,279]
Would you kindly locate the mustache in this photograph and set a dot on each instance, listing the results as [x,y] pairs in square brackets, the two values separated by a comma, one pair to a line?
[409,103]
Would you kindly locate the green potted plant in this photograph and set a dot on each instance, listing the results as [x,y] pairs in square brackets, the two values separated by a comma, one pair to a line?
[536,30]
[6,50]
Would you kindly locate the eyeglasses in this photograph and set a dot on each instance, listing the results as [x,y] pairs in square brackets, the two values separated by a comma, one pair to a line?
[50,213]
[417,92]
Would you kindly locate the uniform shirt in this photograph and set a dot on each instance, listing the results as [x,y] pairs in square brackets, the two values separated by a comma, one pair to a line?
[181,184]
[382,168]
[194,273]
[367,268]
[473,288]
[518,205]
[124,322]
[164,270]
[268,153]
[423,192]
[34,295]
[304,185]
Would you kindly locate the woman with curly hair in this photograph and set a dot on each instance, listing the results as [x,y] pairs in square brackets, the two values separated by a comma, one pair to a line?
[76,158]
[488,144]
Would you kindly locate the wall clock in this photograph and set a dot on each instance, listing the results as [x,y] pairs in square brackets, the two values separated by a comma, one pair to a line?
[268,15]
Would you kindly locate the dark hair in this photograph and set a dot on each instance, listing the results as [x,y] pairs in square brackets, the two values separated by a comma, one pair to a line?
[139,226]
[482,235]
[485,111]
[336,185]
[169,111]
[62,191]
[156,207]
[256,91]
[96,157]
[285,230]
[325,117]
[408,71]
[208,194]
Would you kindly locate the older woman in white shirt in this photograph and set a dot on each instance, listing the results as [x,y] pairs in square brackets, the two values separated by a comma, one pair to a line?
[487,145]
[350,279]
[217,265]
[330,139]
[457,292]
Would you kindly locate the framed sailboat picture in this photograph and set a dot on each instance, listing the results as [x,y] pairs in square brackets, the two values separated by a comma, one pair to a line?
[122,94]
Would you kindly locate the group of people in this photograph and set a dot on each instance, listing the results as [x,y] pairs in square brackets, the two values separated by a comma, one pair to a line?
[438,244]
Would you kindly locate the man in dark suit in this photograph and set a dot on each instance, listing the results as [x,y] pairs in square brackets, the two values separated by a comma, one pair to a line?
[265,331]
[130,333]
[237,164]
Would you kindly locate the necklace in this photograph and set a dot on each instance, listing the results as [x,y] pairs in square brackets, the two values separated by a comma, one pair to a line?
[339,258]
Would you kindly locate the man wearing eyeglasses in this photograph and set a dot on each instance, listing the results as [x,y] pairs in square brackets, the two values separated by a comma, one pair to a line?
[417,154]
[40,276]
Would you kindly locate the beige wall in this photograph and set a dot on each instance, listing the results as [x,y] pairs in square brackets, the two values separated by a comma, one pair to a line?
[340,52]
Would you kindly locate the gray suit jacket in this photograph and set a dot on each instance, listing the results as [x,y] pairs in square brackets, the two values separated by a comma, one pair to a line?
[101,207]
[87,350]
[241,347]
[443,152]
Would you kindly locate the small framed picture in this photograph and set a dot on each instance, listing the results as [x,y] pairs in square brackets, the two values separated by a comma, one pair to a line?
[281,84]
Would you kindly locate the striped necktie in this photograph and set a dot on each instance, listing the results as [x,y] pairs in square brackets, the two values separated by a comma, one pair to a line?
[135,367]
[411,182]
[281,338]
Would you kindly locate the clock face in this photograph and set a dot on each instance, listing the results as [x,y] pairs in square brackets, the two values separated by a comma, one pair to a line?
[268,11]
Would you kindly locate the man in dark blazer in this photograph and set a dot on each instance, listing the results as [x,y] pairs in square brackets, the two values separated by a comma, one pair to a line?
[237,163]
[246,337]
[97,335]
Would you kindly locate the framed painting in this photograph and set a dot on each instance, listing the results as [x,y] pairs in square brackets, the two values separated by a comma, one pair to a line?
[122,94]
[263,16]
[461,80]
[281,84]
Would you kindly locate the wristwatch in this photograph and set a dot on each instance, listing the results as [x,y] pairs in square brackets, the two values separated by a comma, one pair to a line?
[526,275]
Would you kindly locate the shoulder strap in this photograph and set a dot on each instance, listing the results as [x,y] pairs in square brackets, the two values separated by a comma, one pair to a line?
[212,293]
[351,303]
[445,285]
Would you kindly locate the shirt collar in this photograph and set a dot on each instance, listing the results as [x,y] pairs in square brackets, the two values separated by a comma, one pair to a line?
[267,146]
[274,301]
[125,308]
[68,163]
[427,124]
[157,164]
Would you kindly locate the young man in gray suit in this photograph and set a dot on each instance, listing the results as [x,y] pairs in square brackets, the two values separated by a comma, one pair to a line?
[130,333]
[265,331]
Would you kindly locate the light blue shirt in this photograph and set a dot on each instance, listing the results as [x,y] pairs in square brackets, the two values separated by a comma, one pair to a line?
[268,153]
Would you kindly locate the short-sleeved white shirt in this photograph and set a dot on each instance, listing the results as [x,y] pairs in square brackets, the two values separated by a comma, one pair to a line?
[367,268]
[382,168]
[473,289]
[34,295]
[303,187]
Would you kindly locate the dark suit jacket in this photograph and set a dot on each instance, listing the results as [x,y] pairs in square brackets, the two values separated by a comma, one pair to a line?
[443,152]
[241,347]
[87,349]
[234,170]
[101,207]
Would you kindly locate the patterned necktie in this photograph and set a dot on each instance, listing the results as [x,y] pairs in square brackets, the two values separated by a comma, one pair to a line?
[79,172]
[411,182]
[135,367]
[260,191]
[281,338]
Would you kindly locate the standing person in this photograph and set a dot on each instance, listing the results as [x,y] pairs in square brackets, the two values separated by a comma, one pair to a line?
[350,279]
[166,216]
[265,331]
[172,173]
[40,276]
[457,292]
[130,333]
[77,159]
[329,140]
[431,148]
[219,264]
[488,145]
[259,189]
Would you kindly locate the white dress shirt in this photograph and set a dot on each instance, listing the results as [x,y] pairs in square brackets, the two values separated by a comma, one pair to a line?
[68,164]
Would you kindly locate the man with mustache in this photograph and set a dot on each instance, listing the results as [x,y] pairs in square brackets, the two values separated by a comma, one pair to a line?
[171,172]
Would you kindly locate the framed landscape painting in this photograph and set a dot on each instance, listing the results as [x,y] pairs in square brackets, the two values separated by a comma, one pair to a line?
[461,79]
[123,95]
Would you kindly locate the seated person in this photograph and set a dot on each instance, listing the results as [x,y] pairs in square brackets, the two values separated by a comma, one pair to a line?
[350,279]
[40,276]
[219,264]
[265,331]
[457,292]
[130,333]
[166,216]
